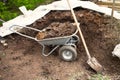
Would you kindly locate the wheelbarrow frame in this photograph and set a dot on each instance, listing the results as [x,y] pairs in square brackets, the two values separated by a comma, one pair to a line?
[56,42]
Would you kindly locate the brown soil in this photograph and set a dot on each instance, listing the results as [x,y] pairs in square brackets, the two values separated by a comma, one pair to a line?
[22,60]
[57,29]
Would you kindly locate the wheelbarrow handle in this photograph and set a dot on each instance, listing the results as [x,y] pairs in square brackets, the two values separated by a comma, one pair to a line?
[15,28]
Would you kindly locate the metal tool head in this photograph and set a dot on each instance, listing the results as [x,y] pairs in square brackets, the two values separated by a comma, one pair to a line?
[94,64]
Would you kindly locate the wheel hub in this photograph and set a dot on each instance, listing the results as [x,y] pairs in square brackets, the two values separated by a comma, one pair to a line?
[67,55]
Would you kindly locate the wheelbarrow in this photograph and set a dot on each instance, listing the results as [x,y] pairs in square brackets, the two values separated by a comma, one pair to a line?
[66,44]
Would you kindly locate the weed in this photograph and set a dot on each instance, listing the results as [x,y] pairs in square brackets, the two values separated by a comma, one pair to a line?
[79,76]
[99,77]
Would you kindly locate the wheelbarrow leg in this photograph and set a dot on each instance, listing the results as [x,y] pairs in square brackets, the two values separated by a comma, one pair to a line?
[50,52]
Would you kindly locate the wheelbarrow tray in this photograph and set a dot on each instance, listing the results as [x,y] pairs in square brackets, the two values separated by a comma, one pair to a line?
[46,41]
[56,41]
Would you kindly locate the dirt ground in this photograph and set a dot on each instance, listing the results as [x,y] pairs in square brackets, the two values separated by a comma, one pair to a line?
[22,58]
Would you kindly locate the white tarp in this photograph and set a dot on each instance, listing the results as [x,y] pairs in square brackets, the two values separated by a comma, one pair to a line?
[31,16]
[116,51]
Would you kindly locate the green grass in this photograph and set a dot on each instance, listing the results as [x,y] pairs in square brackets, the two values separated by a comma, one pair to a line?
[10,9]
[99,77]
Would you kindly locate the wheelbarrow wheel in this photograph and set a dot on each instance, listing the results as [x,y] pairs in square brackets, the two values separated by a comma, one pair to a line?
[68,53]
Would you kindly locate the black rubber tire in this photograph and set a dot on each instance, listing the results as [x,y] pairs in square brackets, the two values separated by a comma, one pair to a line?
[71,50]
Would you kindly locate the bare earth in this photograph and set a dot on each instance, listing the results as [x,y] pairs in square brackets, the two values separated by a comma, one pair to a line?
[22,59]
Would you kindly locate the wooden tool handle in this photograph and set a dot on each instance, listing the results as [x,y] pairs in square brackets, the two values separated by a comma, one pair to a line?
[79,29]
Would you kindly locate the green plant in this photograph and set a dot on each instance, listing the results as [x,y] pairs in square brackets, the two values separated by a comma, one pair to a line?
[30,4]
[3,7]
[7,15]
[10,9]
[0,24]
[99,77]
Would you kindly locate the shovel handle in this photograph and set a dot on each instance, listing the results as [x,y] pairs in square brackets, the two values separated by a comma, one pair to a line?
[79,29]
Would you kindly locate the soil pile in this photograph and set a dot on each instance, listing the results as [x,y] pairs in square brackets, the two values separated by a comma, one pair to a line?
[57,29]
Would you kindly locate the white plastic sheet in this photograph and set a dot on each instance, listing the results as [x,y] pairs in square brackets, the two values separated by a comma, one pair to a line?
[116,51]
[30,16]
